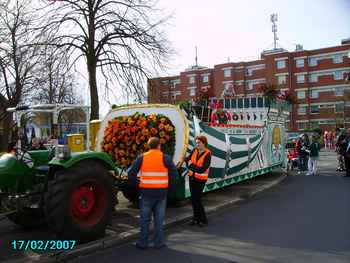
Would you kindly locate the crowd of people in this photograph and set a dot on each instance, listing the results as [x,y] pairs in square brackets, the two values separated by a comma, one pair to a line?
[306,152]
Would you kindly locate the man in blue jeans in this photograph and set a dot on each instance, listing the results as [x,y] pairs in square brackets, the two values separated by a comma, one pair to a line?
[154,172]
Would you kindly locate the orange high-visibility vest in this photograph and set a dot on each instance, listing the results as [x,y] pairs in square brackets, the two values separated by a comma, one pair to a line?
[153,173]
[199,163]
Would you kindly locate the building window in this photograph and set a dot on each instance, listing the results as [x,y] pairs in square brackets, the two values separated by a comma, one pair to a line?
[339,107]
[300,78]
[301,126]
[192,91]
[302,110]
[301,94]
[205,78]
[228,90]
[260,102]
[314,94]
[227,72]
[249,86]
[314,124]
[299,63]
[312,62]
[314,109]
[281,80]
[338,75]
[313,78]
[338,59]
[281,64]
[249,72]
[324,106]
[191,79]
[339,92]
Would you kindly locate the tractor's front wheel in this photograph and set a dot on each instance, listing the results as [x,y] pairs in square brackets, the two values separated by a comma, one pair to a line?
[80,201]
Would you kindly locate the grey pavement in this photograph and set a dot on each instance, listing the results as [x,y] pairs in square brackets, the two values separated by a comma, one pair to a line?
[303,219]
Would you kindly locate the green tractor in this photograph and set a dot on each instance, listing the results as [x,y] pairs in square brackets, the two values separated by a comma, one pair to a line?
[73,193]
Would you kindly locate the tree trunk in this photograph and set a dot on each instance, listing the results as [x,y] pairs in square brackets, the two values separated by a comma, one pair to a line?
[6,125]
[94,114]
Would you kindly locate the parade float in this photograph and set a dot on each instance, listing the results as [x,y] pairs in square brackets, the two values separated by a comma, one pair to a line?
[246,138]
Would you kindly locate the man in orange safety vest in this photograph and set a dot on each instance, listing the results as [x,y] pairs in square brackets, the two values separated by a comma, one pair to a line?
[154,172]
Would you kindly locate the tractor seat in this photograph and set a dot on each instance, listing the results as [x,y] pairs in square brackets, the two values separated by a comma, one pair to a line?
[42,169]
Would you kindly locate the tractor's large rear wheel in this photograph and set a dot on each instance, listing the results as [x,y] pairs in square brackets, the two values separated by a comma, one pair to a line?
[80,201]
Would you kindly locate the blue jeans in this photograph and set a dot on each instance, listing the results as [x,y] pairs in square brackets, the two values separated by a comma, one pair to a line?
[303,160]
[148,206]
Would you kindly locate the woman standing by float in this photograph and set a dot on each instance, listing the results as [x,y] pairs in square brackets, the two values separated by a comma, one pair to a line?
[198,163]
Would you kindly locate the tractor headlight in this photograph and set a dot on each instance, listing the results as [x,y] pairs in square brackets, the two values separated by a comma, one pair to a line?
[62,152]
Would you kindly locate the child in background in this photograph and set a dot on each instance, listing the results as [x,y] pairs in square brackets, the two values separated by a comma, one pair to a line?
[292,158]
[314,154]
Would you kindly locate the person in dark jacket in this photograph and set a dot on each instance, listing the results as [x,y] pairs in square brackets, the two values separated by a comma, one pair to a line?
[154,172]
[341,149]
[198,163]
[347,154]
[313,156]
[302,148]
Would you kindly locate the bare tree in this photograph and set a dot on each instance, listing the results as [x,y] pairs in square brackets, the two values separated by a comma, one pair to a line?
[17,58]
[120,40]
[55,80]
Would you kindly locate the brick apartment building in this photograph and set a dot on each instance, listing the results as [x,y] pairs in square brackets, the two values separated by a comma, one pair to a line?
[319,79]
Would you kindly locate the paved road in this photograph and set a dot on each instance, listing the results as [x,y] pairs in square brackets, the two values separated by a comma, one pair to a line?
[304,219]
[125,219]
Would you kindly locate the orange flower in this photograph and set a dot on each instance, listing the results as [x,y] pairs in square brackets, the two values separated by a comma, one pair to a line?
[161,126]
[154,131]
[131,122]
[145,132]
[162,120]
[162,141]
[152,117]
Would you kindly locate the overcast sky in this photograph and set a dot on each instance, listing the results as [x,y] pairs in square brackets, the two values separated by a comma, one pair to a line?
[240,30]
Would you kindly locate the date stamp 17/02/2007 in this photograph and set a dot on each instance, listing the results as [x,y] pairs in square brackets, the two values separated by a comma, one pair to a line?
[43,245]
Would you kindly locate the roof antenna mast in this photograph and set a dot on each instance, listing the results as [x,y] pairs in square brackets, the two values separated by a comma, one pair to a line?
[273,18]
[196,58]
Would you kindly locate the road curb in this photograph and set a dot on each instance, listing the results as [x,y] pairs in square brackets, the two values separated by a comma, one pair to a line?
[124,237]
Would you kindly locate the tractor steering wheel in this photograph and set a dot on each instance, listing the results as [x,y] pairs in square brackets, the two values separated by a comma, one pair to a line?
[23,155]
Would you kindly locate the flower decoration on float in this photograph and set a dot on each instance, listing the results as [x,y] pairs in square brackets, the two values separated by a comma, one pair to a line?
[125,137]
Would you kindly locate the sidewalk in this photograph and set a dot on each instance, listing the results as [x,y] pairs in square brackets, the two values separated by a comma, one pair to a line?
[125,226]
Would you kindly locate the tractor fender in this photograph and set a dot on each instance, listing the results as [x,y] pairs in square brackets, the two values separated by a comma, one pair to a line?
[75,158]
